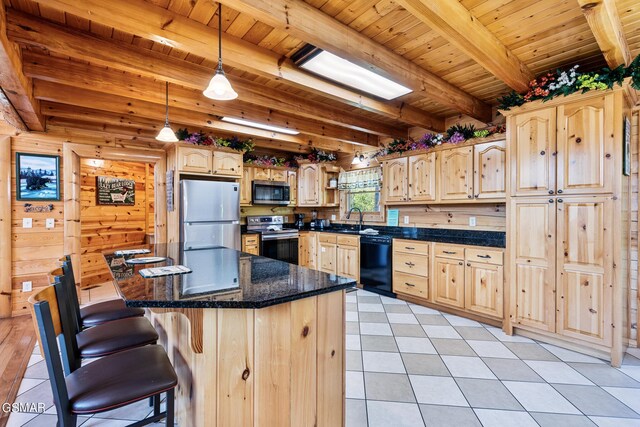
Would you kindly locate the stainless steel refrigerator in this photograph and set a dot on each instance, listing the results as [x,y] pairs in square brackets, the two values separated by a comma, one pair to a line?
[210,214]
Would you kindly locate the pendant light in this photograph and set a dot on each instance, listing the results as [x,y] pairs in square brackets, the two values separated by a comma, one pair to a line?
[219,87]
[357,159]
[166,133]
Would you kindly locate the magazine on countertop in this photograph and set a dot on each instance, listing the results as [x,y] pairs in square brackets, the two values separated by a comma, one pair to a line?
[132,252]
[170,270]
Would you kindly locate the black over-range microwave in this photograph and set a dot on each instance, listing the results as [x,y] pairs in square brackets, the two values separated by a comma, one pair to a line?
[270,193]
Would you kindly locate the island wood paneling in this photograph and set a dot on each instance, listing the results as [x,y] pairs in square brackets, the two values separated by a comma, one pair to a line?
[282,365]
[110,226]
[34,251]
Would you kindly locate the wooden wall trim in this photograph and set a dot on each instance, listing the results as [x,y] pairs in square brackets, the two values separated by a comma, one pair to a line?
[72,153]
[5,226]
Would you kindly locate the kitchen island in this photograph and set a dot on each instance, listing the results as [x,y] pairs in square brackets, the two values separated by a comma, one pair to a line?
[254,341]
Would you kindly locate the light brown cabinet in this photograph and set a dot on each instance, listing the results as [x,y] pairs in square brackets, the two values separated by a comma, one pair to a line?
[484,285]
[251,244]
[227,164]
[306,249]
[348,257]
[489,177]
[313,185]
[456,174]
[194,160]
[411,268]
[252,173]
[448,278]
[327,253]
[394,183]
[246,186]
[261,174]
[292,179]
[422,178]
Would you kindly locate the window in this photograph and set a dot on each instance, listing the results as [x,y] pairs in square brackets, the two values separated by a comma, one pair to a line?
[361,189]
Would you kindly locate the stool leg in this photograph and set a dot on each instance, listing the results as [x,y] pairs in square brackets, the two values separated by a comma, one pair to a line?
[151,401]
[156,404]
[170,407]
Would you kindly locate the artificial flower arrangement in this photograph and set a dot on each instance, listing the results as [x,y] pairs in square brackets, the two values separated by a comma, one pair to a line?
[454,135]
[267,161]
[317,156]
[563,83]
[200,138]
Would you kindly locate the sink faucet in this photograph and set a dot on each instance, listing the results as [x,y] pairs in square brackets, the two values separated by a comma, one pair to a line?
[360,222]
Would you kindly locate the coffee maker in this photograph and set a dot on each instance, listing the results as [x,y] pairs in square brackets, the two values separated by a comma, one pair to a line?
[299,224]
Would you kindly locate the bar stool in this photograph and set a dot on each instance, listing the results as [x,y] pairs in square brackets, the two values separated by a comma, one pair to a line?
[108,383]
[101,312]
[98,341]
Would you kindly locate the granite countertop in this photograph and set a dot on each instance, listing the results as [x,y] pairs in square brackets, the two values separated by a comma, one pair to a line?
[494,239]
[220,278]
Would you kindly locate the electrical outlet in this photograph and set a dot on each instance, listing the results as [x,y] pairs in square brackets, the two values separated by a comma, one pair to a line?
[285,219]
[27,286]
[27,223]
[50,223]
[333,217]
[472,221]
[406,219]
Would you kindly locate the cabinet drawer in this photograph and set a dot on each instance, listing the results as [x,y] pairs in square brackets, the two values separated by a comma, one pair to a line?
[448,251]
[411,246]
[327,238]
[410,284]
[251,240]
[348,240]
[489,256]
[412,264]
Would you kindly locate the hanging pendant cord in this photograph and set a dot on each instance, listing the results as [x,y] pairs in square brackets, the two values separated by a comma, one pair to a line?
[166,103]
[220,35]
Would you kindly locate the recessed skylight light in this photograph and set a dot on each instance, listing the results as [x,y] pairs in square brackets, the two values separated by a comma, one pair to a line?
[260,125]
[342,71]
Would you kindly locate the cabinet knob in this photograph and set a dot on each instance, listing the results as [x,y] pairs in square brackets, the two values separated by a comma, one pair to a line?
[550,191]
[578,140]
[560,191]
[542,153]
[460,263]
[476,196]
[550,200]
[409,284]
[559,200]
[469,196]
[468,264]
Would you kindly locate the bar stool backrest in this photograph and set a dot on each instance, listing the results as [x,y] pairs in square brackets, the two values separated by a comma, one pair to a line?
[72,292]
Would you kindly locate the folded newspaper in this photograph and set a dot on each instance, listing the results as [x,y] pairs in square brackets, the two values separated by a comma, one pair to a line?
[132,251]
[170,270]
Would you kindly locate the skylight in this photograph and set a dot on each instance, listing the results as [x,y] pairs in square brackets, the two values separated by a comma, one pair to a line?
[342,71]
[260,125]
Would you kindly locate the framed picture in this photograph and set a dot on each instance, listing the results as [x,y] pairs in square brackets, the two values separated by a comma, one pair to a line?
[115,191]
[37,177]
[626,147]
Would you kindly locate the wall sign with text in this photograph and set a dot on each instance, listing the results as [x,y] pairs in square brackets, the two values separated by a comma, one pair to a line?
[115,191]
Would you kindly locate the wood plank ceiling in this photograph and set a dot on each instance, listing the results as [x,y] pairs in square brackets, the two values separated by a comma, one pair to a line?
[107,73]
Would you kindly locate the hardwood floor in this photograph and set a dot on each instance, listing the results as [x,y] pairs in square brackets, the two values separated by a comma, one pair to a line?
[17,339]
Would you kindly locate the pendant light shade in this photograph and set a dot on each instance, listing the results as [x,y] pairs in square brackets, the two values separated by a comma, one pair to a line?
[219,87]
[166,134]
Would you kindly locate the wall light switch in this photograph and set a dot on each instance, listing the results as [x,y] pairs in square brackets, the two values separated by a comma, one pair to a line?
[50,223]
[406,219]
[472,221]
[27,286]
[27,223]
[333,217]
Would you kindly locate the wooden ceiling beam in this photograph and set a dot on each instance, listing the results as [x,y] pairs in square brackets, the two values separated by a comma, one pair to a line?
[107,81]
[164,26]
[63,94]
[602,17]
[453,21]
[18,105]
[145,62]
[307,23]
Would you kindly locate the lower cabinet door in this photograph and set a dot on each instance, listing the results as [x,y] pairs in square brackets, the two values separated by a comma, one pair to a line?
[483,289]
[448,276]
[411,284]
[327,253]
[348,262]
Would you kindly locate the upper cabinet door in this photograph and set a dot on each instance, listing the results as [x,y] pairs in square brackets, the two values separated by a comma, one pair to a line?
[261,174]
[195,160]
[489,172]
[585,147]
[308,185]
[227,164]
[533,144]
[246,185]
[278,175]
[395,180]
[292,179]
[422,177]
[456,174]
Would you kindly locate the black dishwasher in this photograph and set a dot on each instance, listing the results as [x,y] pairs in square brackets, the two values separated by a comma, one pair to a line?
[375,264]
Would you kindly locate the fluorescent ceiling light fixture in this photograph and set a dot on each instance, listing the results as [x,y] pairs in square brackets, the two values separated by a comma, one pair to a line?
[260,125]
[347,73]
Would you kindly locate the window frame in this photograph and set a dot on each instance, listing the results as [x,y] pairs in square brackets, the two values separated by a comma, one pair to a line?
[367,216]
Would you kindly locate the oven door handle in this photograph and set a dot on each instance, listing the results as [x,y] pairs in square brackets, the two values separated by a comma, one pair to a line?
[279,237]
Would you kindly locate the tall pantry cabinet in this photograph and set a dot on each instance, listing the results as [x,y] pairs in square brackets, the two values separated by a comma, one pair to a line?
[567,234]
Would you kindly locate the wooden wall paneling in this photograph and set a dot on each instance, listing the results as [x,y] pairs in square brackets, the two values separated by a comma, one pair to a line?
[304,342]
[273,366]
[5,226]
[634,295]
[331,360]
[72,209]
[235,368]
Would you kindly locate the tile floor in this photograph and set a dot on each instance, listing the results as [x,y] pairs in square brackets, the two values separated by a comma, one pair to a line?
[409,365]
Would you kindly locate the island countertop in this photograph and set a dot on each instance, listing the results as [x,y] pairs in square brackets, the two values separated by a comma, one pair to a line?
[220,278]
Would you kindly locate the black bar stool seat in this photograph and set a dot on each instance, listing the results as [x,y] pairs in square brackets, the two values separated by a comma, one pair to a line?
[115,336]
[107,311]
[120,379]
